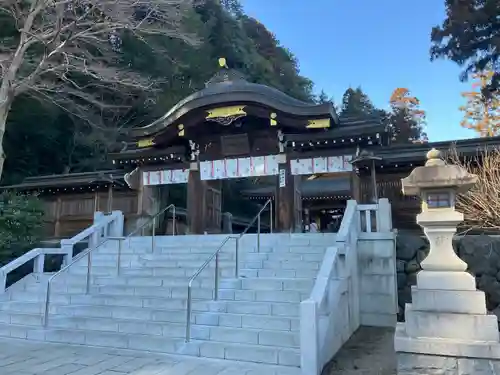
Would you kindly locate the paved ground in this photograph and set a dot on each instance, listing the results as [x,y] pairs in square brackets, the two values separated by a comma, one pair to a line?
[370,351]
[19,357]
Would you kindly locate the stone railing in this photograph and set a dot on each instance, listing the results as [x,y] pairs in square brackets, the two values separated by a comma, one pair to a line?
[331,314]
[104,226]
[375,218]
[337,304]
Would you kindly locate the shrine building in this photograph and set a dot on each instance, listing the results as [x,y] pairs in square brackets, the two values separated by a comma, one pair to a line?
[235,129]
[302,156]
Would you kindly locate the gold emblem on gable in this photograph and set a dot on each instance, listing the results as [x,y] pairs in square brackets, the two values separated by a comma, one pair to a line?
[226,115]
[318,124]
[145,142]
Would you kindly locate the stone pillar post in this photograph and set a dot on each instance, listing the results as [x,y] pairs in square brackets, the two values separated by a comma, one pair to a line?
[447,328]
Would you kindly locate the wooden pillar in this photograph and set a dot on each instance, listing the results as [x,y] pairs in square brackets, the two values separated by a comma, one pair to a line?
[110,197]
[285,199]
[195,202]
[355,187]
[57,225]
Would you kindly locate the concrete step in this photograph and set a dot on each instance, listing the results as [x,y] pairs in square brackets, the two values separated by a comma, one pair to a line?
[275,323]
[225,293]
[152,271]
[98,306]
[157,266]
[211,349]
[74,283]
[140,294]
[226,268]
[94,338]
[242,335]
[138,249]
[243,352]
[267,273]
[77,282]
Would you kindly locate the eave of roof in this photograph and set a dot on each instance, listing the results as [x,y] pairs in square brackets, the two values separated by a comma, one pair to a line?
[70,179]
[238,91]
[418,151]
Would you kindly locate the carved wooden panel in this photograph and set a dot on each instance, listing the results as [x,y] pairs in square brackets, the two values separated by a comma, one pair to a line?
[235,144]
[265,143]
[404,208]
[76,206]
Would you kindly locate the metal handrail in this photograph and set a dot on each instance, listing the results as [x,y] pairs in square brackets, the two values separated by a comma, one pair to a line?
[89,257]
[215,255]
[141,228]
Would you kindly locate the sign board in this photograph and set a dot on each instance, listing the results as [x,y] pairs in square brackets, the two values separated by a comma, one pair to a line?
[282,177]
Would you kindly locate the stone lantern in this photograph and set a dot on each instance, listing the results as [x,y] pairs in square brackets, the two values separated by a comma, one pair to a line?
[447,319]
[438,184]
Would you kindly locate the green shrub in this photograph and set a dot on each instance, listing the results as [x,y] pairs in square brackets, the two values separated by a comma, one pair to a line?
[21,225]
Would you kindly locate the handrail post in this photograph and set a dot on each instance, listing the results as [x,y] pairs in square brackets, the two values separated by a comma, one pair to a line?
[47,301]
[270,216]
[258,233]
[188,321]
[173,221]
[216,290]
[89,265]
[119,257]
[236,258]
[153,235]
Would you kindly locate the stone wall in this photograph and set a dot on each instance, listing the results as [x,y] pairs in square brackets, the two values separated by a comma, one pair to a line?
[421,364]
[377,287]
[481,252]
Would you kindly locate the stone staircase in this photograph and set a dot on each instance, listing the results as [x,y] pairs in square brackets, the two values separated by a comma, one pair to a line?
[256,317]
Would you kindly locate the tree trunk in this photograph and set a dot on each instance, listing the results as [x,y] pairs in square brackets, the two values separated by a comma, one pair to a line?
[5,104]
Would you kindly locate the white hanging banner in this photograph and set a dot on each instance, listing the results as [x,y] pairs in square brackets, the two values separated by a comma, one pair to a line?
[331,164]
[165,177]
[239,168]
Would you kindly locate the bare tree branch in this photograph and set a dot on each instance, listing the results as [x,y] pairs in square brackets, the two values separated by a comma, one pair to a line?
[68,52]
[481,204]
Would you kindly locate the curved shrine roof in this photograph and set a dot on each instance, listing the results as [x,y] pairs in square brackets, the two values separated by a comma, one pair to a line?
[225,89]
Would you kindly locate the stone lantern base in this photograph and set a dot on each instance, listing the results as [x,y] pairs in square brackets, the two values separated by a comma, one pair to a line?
[447,331]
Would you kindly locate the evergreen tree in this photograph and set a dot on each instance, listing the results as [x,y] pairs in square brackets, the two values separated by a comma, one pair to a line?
[323,98]
[470,36]
[355,103]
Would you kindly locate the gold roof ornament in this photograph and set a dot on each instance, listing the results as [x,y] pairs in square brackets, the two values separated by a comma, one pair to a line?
[223,62]
[272,119]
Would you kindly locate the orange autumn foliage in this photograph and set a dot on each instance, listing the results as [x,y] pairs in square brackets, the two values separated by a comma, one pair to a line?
[402,98]
[408,118]
[482,114]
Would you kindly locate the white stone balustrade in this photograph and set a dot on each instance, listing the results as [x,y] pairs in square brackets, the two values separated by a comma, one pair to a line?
[104,226]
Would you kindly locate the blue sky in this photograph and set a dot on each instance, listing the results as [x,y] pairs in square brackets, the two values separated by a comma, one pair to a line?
[378,45]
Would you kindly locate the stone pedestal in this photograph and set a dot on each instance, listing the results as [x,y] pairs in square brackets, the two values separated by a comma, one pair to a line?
[447,328]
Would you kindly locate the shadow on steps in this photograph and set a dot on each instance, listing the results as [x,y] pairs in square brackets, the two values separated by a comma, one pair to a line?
[370,351]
